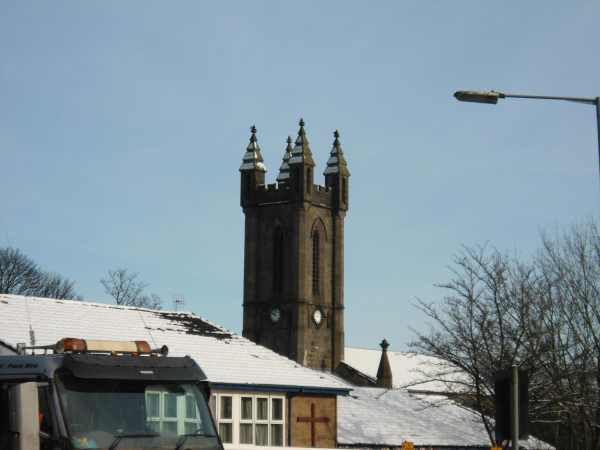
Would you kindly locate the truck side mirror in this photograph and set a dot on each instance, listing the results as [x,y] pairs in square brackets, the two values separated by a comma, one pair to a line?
[24,416]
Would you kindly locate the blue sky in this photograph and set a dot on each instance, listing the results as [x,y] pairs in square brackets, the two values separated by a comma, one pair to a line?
[123,125]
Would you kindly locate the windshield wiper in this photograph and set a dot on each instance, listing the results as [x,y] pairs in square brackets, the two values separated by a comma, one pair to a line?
[185,436]
[119,437]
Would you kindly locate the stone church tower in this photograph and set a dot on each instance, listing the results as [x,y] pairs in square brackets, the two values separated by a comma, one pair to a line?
[294,254]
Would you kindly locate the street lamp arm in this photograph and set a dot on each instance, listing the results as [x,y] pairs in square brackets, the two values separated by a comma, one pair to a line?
[587,101]
[493,96]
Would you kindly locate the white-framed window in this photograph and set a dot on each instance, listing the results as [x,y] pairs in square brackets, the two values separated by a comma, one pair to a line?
[276,424]
[225,416]
[247,418]
[174,412]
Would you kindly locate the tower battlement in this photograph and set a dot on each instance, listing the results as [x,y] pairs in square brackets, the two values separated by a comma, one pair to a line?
[296,176]
[277,193]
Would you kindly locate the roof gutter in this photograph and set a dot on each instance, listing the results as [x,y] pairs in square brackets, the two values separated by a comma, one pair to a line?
[281,388]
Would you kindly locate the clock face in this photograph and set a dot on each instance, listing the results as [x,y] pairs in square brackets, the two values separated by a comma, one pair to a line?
[318,316]
[275,315]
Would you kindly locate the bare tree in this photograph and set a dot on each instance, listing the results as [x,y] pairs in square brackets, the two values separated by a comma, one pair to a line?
[485,324]
[20,275]
[542,315]
[128,291]
[571,265]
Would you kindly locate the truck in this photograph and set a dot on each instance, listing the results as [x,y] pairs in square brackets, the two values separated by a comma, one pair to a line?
[81,393]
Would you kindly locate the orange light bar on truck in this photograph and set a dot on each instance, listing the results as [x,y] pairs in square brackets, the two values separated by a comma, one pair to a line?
[98,346]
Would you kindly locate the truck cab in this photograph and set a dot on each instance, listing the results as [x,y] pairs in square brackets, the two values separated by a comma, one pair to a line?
[103,395]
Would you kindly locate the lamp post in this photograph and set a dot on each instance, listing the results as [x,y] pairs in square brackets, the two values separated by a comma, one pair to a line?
[492,99]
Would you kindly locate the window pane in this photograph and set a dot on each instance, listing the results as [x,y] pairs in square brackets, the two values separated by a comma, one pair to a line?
[226,407]
[277,435]
[44,408]
[246,433]
[170,405]
[169,426]
[246,408]
[262,434]
[190,407]
[277,409]
[154,425]
[226,432]
[262,409]
[191,427]
[152,405]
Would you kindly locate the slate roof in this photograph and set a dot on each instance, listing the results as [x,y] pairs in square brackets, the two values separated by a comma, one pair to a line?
[225,357]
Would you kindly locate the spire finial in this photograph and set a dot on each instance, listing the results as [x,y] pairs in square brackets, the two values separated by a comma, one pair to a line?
[253,138]
[336,165]
[253,160]
[301,153]
[384,345]
[284,170]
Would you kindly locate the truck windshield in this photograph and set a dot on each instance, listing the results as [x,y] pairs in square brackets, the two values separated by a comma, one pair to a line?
[113,414]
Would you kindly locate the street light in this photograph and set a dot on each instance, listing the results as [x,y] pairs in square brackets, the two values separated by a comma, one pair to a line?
[492,99]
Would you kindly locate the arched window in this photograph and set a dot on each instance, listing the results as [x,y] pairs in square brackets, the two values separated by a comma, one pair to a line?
[344,191]
[278,260]
[308,180]
[315,267]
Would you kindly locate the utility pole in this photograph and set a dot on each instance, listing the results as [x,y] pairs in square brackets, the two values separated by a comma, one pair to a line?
[514,406]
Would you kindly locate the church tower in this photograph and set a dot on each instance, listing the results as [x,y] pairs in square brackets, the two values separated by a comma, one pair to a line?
[294,254]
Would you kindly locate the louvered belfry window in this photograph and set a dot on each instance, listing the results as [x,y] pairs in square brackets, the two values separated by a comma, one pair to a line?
[278,260]
[315,268]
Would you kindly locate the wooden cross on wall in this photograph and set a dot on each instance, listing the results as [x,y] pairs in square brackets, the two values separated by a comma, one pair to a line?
[313,421]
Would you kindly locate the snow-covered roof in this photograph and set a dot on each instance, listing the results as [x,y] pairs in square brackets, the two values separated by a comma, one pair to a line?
[376,416]
[406,367]
[225,357]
